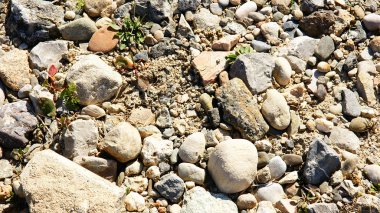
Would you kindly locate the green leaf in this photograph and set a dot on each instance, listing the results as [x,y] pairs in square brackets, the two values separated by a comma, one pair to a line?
[115,27]
[47,106]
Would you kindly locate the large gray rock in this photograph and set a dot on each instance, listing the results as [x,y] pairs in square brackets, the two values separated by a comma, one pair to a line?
[321,162]
[241,110]
[80,138]
[34,20]
[14,69]
[60,185]
[350,103]
[171,187]
[17,122]
[48,53]
[233,165]
[322,208]
[302,47]
[204,20]
[255,70]
[153,10]
[78,30]
[123,142]
[96,81]
[345,139]
[200,200]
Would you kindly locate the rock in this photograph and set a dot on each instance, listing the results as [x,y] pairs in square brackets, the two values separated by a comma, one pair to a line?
[185,5]
[321,162]
[123,142]
[368,203]
[48,53]
[193,147]
[375,44]
[156,150]
[365,87]
[96,81]
[282,71]
[153,10]
[240,109]
[15,77]
[322,208]
[134,202]
[133,168]
[277,167]
[80,138]
[96,8]
[137,184]
[359,124]
[233,165]
[265,207]
[142,117]
[271,31]
[275,110]
[350,104]
[200,200]
[287,206]
[292,159]
[309,6]
[17,122]
[78,30]
[256,16]
[100,166]
[263,160]
[216,9]
[302,47]
[2,93]
[39,96]
[373,173]
[42,180]
[210,64]
[298,65]
[190,172]
[103,40]
[318,23]
[6,169]
[272,192]
[345,139]
[246,201]
[226,43]
[153,173]
[204,19]
[263,175]
[171,187]
[243,11]
[324,48]
[323,67]
[324,125]
[184,30]
[206,101]
[255,70]
[372,22]
[93,111]
[260,46]
[34,21]
[70,15]
[290,178]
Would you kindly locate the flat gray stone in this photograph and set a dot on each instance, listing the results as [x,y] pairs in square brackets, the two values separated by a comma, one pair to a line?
[350,103]
[171,187]
[48,53]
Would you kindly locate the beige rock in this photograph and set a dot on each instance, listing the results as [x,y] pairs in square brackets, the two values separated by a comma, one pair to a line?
[365,87]
[210,64]
[60,185]
[94,8]
[246,201]
[103,40]
[375,44]
[15,77]
[226,43]
[286,206]
[93,111]
[142,117]
[134,202]
[193,147]
[100,166]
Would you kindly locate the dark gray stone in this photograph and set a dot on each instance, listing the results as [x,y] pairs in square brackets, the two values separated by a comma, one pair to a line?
[34,20]
[350,103]
[260,46]
[350,62]
[78,30]
[324,48]
[240,109]
[309,6]
[162,49]
[153,10]
[17,122]
[321,162]
[322,208]
[255,70]
[185,5]
[171,187]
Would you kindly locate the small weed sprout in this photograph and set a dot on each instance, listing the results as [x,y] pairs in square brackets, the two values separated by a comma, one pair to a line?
[231,58]
[80,4]
[70,97]
[130,32]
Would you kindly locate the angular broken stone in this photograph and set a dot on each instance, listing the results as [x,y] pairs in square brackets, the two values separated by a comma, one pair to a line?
[240,109]
[226,43]
[15,77]
[366,87]
[210,64]
[255,70]
[53,183]
[17,122]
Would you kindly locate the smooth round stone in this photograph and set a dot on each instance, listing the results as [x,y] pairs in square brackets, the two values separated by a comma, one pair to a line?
[216,9]
[277,167]
[70,15]
[373,173]
[233,165]
[158,35]
[324,125]
[93,111]
[193,147]
[103,40]
[246,201]
[375,44]
[245,9]
[297,14]
[372,22]
[275,110]
[271,192]
[359,124]
[292,159]
[282,71]
[260,46]
[224,3]
[323,67]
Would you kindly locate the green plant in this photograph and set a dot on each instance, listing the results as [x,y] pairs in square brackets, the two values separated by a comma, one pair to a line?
[374,188]
[127,190]
[47,107]
[129,32]
[231,58]
[80,4]
[70,97]
[19,153]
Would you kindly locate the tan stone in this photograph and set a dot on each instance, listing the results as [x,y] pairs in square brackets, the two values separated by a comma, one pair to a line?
[142,117]
[103,40]
[210,64]
[95,8]
[226,43]
[375,44]
[14,69]
[60,185]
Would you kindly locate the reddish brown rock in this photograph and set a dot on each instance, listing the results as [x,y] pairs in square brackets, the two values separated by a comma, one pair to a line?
[210,64]
[103,40]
